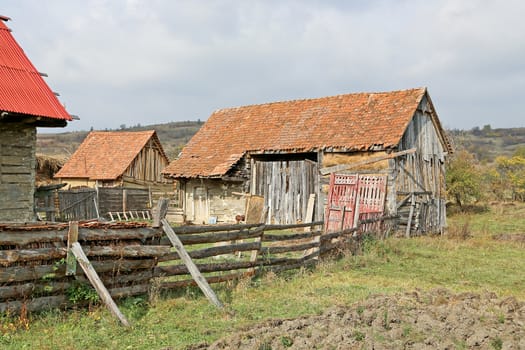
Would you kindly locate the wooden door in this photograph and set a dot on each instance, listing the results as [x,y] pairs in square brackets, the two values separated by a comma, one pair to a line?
[286,186]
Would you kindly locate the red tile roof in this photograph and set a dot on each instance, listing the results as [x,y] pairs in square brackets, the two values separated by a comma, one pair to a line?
[360,121]
[22,89]
[105,155]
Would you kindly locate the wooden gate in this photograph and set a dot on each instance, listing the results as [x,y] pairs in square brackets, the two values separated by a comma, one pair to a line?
[354,197]
[78,204]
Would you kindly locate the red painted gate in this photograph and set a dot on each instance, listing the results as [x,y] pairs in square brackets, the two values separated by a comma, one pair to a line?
[354,197]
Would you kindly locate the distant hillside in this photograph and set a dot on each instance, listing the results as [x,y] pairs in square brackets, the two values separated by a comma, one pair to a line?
[486,143]
[173,137]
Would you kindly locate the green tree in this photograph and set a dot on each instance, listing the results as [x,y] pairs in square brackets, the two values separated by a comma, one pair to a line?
[463,178]
[512,171]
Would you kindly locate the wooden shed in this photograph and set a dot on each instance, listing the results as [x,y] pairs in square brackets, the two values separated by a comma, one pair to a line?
[285,151]
[26,102]
[116,158]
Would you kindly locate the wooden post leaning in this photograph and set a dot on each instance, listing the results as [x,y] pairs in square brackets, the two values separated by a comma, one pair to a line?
[74,251]
[97,283]
[192,268]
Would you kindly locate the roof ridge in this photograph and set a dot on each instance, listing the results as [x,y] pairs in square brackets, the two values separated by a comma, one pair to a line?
[423,88]
[123,131]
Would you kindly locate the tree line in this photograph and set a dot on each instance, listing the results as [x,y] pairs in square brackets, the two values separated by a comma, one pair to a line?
[469,180]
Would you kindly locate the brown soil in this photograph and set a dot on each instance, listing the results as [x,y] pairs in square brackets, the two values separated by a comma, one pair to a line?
[438,319]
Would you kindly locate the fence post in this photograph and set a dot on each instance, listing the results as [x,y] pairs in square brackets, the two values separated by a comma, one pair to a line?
[72,237]
[255,253]
[124,200]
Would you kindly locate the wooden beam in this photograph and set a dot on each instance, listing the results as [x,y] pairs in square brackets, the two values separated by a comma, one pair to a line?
[97,283]
[341,167]
[192,268]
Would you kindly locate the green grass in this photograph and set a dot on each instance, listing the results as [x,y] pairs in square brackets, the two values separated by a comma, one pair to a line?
[477,263]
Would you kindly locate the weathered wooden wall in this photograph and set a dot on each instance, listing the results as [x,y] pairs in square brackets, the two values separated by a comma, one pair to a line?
[148,164]
[209,198]
[421,175]
[119,199]
[17,171]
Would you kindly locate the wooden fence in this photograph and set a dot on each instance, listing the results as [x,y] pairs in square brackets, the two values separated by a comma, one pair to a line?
[32,259]
[128,256]
[91,203]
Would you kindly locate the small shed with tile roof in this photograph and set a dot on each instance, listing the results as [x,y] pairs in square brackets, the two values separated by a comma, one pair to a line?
[26,102]
[277,150]
[116,158]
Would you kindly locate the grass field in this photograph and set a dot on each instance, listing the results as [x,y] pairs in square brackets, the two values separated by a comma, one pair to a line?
[467,259]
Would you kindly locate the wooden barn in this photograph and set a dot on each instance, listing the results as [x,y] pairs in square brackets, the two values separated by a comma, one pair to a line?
[26,102]
[286,151]
[116,158]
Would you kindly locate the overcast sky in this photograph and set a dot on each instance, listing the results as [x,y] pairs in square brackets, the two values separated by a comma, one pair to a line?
[126,62]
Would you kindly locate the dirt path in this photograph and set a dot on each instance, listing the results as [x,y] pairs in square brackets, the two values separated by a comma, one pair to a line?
[419,320]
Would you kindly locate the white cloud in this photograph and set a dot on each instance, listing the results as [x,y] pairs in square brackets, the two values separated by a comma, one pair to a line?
[159,60]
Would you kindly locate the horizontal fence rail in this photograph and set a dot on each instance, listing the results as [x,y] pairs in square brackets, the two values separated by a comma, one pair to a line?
[130,257]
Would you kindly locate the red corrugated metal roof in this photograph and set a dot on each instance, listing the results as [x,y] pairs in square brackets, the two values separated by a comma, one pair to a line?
[358,121]
[22,89]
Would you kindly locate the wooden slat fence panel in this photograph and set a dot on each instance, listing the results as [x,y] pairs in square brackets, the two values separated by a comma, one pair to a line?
[77,204]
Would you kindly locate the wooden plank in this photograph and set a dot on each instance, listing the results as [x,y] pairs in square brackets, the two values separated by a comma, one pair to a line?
[254,209]
[182,230]
[210,279]
[214,251]
[194,271]
[97,283]
[72,237]
[33,305]
[216,237]
[12,256]
[29,273]
[342,167]
[286,227]
[21,237]
[181,269]
[23,291]
[289,237]
[286,249]
[411,213]
[308,218]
